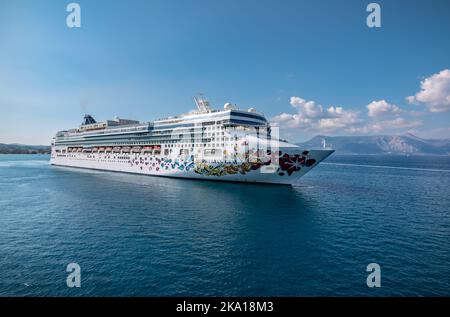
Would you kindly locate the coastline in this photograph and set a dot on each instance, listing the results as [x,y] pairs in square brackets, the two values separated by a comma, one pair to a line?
[19,153]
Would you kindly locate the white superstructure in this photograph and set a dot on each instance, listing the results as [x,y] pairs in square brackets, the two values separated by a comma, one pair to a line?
[228,144]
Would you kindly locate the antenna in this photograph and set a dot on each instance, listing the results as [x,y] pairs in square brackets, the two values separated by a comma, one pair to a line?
[202,104]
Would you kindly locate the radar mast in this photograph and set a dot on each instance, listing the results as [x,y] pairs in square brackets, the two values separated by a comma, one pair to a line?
[202,104]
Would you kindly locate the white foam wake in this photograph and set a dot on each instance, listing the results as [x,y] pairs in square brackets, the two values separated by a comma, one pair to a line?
[390,167]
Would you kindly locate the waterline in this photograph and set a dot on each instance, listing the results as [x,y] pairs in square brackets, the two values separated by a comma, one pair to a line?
[389,167]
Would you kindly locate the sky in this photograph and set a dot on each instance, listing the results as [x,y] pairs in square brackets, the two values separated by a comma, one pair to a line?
[312,67]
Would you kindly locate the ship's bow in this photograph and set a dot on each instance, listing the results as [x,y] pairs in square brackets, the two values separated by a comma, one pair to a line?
[294,163]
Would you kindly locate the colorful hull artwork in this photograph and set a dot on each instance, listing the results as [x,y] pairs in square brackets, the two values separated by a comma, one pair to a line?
[278,168]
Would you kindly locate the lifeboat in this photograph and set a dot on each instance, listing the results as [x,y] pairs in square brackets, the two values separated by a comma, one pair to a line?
[116,149]
[136,149]
[126,149]
[148,148]
[101,149]
[108,149]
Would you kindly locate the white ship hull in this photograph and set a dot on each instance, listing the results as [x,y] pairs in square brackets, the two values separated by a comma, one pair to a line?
[286,169]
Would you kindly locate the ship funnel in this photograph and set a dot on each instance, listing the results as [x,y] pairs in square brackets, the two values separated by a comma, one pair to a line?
[88,119]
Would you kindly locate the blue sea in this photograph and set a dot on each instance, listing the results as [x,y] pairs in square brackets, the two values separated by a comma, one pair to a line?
[138,235]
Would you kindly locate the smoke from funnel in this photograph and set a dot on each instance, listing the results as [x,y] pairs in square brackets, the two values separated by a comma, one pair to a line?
[83,105]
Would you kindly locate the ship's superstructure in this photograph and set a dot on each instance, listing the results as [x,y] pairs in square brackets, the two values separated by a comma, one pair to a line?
[229,144]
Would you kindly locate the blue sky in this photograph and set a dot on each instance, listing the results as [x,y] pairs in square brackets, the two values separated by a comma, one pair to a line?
[313,67]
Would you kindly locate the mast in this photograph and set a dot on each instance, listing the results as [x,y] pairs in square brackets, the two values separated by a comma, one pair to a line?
[202,104]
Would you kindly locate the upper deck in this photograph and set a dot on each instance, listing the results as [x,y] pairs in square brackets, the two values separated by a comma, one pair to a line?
[204,116]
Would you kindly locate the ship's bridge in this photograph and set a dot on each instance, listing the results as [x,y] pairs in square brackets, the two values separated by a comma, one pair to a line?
[230,116]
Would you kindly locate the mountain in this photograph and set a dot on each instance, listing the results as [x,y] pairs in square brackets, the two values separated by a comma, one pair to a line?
[23,149]
[381,144]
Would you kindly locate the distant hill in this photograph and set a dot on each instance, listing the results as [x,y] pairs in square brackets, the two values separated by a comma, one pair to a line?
[382,144]
[23,149]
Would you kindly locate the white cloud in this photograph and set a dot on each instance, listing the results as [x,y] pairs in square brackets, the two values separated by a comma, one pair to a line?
[313,116]
[434,133]
[308,108]
[385,126]
[382,108]
[434,93]
[338,119]
[310,116]
[394,124]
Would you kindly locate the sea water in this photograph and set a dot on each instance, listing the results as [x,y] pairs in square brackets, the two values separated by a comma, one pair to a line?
[135,235]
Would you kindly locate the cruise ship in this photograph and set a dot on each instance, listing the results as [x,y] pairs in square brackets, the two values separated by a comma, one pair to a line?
[229,144]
